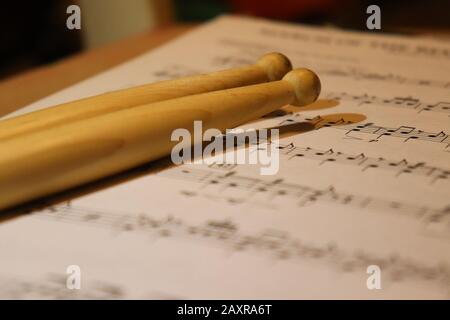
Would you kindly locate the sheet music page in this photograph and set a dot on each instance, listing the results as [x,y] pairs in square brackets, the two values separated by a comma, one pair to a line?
[363,182]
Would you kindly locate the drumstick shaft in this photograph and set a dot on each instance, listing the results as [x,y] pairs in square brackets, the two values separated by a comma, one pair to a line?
[52,160]
[270,67]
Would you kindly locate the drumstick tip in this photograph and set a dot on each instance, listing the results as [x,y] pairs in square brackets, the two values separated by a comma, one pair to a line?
[306,85]
[275,64]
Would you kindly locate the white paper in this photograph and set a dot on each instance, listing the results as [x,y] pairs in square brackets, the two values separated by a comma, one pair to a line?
[347,196]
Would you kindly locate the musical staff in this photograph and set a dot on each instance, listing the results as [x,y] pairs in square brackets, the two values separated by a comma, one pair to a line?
[355,73]
[277,244]
[360,74]
[397,102]
[388,46]
[401,168]
[54,287]
[173,72]
[403,132]
[352,129]
[278,190]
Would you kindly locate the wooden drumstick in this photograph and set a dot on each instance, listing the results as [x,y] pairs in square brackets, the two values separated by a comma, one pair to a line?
[62,157]
[271,67]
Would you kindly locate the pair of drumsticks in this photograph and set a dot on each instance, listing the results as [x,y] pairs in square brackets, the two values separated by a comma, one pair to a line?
[67,145]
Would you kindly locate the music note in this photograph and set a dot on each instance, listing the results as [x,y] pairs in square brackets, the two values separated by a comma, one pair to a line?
[408,102]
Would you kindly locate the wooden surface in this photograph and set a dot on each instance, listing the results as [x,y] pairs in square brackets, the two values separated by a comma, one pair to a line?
[23,89]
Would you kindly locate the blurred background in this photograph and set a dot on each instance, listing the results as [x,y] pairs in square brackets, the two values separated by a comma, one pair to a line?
[34,33]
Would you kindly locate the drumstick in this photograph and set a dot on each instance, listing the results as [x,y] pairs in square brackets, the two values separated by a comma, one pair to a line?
[52,160]
[270,67]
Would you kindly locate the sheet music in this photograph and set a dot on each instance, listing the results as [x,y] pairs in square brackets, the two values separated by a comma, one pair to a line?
[363,180]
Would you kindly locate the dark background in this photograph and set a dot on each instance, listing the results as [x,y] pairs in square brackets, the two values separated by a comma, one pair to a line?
[34,33]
